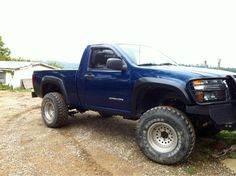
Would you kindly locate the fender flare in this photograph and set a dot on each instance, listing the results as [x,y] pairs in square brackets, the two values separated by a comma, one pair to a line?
[57,82]
[168,84]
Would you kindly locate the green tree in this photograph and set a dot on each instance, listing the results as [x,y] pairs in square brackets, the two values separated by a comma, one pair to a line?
[4,52]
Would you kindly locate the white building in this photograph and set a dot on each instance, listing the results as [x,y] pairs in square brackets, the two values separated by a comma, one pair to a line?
[19,74]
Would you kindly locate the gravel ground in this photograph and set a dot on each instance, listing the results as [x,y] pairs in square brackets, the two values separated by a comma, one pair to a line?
[89,145]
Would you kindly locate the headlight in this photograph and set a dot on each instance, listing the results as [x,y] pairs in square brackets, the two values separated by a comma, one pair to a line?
[209,90]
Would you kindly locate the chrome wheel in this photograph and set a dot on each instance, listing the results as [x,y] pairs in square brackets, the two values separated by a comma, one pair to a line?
[49,111]
[162,137]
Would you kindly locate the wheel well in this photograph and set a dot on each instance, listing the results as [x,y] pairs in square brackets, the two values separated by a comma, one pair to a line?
[155,97]
[49,87]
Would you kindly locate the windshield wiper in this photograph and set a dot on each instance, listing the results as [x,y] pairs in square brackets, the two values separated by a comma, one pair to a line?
[148,64]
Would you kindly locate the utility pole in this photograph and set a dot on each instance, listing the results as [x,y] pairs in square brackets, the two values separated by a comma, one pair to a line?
[205,64]
[219,62]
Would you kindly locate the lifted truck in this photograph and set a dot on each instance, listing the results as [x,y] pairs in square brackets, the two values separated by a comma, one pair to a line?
[173,103]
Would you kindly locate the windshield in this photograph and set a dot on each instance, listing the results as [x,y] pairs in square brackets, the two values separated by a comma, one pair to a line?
[146,56]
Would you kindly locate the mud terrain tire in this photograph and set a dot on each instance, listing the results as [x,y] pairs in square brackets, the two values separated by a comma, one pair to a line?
[165,135]
[54,110]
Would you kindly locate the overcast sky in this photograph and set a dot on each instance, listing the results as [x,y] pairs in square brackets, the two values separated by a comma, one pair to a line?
[188,31]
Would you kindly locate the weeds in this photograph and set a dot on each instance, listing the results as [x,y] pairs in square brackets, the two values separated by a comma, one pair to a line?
[10,88]
[190,170]
[233,155]
[5,87]
[228,137]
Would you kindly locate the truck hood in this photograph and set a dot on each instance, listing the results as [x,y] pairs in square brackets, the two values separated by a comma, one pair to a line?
[188,73]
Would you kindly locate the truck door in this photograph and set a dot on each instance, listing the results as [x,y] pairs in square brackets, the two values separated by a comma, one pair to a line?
[106,89]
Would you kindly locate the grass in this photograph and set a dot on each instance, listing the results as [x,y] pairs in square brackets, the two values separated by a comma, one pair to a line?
[5,87]
[10,88]
[228,137]
[227,134]
[190,170]
[205,149]
[233,155]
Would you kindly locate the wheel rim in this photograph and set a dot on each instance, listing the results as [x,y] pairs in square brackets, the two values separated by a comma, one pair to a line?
[162,137]
[49,111]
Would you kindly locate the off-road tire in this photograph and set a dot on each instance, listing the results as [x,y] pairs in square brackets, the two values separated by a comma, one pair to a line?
[54,110]
[175,128]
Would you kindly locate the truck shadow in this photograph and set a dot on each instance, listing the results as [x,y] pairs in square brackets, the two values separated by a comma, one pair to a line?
[110,126]
[118,130]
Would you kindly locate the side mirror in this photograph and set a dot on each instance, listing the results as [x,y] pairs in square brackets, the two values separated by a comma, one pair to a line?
[115,64]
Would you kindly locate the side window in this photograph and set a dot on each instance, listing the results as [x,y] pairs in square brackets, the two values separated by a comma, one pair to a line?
[99,58]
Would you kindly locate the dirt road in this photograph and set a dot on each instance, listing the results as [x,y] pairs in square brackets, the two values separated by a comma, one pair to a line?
[89,145]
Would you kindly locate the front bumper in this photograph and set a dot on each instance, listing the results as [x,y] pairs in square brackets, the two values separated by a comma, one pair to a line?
[224,115]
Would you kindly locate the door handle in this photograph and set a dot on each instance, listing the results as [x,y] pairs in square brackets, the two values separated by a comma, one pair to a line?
[89,76]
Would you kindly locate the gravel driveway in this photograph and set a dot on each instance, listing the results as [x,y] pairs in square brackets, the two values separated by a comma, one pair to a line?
[89,145]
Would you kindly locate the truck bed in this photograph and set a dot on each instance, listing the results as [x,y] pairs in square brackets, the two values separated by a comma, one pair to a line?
[67,76]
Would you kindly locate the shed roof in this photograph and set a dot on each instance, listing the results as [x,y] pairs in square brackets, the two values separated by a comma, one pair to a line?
[14,65]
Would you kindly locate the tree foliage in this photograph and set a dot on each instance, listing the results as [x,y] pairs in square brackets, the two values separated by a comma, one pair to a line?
[4,52]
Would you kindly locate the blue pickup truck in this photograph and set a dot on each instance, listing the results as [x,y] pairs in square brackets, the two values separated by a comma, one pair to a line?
[172,103]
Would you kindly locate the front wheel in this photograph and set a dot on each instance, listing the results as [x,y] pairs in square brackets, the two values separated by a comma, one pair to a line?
[54,110]
[165,135]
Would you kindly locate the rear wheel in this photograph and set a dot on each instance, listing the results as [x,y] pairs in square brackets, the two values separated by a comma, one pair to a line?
[165,135]
[54,110]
